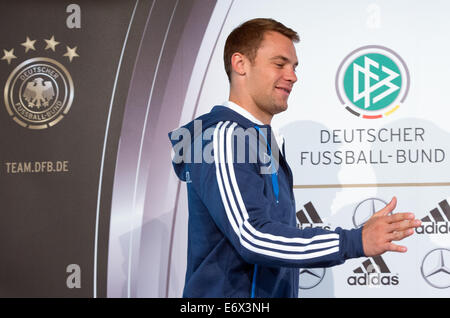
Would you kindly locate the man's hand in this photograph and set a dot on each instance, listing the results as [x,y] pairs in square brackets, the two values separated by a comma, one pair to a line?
[381,229]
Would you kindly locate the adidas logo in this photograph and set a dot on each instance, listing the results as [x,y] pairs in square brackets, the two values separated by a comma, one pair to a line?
[437,222]
[310,218]
[373,272]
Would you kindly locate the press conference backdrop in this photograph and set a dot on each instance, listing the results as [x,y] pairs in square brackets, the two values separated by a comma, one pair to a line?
[90,206]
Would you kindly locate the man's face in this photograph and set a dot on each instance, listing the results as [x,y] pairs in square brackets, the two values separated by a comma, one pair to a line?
[271,76]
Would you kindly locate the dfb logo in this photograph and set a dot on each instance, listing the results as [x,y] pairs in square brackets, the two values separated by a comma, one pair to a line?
[372,82]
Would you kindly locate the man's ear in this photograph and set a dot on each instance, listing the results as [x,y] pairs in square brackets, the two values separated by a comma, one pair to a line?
[238,62]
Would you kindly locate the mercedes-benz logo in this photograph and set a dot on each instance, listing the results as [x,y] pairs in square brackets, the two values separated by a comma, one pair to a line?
[435,268]
[365,209]
[310,277]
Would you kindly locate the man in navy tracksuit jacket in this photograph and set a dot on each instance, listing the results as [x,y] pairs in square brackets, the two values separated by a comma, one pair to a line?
[243,240]
[242,235]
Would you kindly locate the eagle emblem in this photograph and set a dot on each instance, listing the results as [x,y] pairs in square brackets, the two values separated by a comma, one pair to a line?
[38,93]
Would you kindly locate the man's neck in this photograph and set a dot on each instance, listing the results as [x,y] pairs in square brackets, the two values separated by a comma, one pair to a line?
[243,112]
[254,111]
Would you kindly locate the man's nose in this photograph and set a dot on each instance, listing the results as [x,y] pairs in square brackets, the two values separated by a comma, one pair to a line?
[291,76]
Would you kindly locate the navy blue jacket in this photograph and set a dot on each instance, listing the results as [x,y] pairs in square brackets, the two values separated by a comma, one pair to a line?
[242,235]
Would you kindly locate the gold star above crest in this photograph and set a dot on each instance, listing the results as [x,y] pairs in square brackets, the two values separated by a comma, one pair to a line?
[71,53]
[51,44]
[28,44]
[9,55]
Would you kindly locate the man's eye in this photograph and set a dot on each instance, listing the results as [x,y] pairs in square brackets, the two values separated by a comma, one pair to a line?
[280,65]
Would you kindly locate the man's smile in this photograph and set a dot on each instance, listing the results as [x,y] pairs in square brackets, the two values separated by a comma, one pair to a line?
[284,89]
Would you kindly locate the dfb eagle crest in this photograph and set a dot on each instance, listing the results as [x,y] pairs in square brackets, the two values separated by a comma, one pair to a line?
[38,93]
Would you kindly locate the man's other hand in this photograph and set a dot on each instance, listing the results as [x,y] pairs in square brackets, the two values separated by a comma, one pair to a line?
[381,229]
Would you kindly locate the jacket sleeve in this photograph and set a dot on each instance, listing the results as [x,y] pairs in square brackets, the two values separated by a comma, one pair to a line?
[233,194]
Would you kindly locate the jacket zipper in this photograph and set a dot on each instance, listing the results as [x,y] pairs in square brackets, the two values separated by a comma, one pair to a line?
[255,271]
